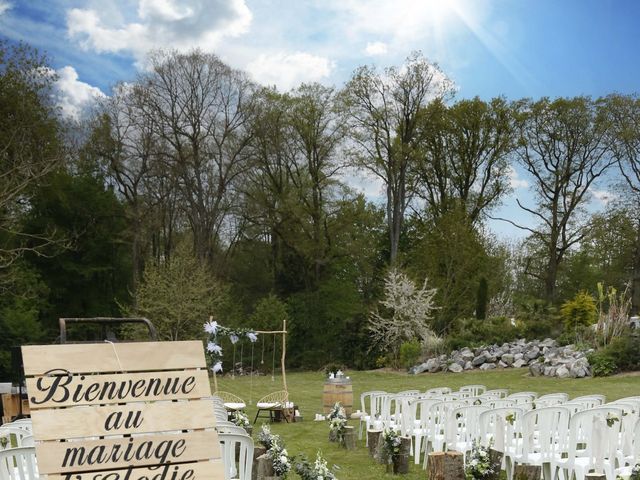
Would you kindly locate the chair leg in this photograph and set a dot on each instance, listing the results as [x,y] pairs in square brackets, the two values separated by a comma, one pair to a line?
[256,419]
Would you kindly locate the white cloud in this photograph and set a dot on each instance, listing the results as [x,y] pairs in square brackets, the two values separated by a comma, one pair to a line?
[603,196]
[288,70]
[514,179]
[4,6]
[364,182]
[73,95]
[375,48]
[175,24]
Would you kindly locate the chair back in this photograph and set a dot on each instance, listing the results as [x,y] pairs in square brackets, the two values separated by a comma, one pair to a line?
[12,437]
[500,427]
[18,464]
[593,399]
[244,460]
[497,392]
[551,399]
[366,401]
[463,427]
[499,403]
[594,435]
[472,390]
[544,432]
[438,391]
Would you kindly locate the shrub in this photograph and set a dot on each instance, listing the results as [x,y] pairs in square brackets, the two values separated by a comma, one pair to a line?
[602,364]
[409,353]
[580,311]
[473,332]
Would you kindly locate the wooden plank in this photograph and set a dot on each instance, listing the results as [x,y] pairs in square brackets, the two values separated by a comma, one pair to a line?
[211,470]
[144,450]
[113,357]
[69,390]
[87,421]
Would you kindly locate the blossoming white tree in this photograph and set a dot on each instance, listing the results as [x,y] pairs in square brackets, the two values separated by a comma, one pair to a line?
[404,314]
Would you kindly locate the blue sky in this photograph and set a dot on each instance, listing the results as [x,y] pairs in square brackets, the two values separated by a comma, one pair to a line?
[514,48]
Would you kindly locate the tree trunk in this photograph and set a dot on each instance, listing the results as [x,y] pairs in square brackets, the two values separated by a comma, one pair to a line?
[446,466]
[635,281]
[550,277]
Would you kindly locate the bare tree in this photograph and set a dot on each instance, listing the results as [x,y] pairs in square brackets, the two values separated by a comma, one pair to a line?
[383,110]
[463,153]
[200,108]
[564,145]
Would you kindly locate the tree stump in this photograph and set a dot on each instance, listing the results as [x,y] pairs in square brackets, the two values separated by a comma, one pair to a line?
[258,451]
[446,466]
[595,476]
[495,457]
[264,468]
[333,437]
[349,438]
[527,472]
[381,453]
[373,437]
[401,460]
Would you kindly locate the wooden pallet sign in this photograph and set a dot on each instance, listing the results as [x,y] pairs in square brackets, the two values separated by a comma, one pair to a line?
[122,411]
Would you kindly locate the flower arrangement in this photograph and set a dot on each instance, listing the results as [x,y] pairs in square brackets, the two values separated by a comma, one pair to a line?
[213,347]
[337,411]
[635,472]
[240,419]
[337,428]
[316,471]
[266,438]
[611,419]
[479,464]
[280,458]
[391,443]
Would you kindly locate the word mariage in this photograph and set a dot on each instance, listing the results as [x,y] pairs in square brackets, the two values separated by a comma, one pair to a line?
[59,386]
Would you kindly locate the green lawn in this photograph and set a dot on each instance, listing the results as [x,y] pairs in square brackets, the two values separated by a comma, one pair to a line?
[306,390]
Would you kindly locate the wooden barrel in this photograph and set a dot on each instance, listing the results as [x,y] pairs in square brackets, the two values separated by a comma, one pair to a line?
[338,391]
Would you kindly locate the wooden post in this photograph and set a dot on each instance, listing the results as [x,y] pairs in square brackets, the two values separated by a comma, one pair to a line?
[527,472]
[349,438]
[265,467]
[401,460]
[373,437]
[284,353]
[446,466]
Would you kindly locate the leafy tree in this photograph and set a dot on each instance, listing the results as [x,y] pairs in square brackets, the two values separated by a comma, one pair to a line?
[581,311]
[178,296]
[269,314]
[87,278]
[564,146]
[30,145]
[383,110]
[463,156]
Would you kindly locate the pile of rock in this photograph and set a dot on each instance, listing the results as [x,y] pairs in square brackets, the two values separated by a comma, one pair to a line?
[542,357]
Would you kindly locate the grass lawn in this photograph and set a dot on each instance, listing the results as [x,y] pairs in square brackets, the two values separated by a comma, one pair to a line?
[305,389]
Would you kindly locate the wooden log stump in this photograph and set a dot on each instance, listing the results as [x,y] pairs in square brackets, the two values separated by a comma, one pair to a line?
[349,438]
[264,468]
[527,472]
[373,437]
[258,451]
[333,437]
[495,457]
[381,453]
[446,466]
[401,460]
[595,476]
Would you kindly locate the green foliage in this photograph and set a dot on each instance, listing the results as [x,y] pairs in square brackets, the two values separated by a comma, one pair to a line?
[580,311]
[91,273]
[602,364]
[481,299]
[409,353]
[621,355]
[472,332]
[269,313]
[179,295]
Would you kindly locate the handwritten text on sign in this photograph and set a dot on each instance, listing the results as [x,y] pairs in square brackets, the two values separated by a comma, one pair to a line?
[166,410]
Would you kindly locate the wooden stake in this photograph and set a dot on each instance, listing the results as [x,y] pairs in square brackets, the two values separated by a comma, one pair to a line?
[284,353]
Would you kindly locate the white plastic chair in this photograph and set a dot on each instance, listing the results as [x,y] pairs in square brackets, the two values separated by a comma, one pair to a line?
[463,428]
[368,409]
[472,390]
[594,399]
[437,422]
[23,423]
[551,399]
[544,436]
[418,413]
[18,464]
[627,464]
[438,391]
[592,444]
[500,428]
[497,392]
[523,399]
[228,442]
[499,403]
